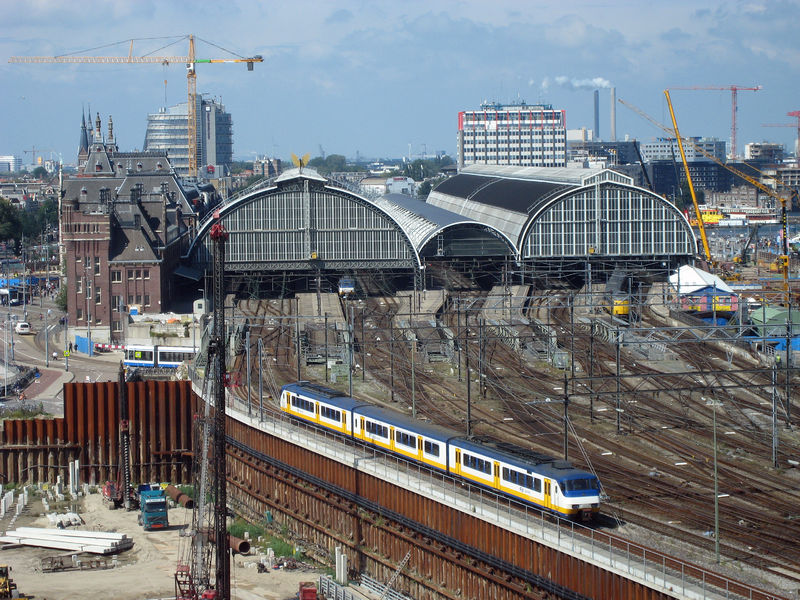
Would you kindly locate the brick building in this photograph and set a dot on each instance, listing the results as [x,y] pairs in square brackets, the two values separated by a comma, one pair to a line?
[125,221]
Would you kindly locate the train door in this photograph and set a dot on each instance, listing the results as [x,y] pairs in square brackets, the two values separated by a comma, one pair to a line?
[316,412]
[496,475]
[362,431]
[548,503]
[344,422]
[457,466]
[419,447]
[391,438]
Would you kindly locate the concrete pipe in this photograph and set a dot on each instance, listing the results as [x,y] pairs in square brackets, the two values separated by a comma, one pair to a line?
[179,497]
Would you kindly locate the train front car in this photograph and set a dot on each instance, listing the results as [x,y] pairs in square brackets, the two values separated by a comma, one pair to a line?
[537,479]
[576,493]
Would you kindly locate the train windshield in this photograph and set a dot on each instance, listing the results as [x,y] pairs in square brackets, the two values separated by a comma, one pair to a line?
[584,484]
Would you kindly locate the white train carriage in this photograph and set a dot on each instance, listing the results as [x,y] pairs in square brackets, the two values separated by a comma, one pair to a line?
[320,405]
[173,356]
[551,484]
[140,356]
[169,357]
[396,432]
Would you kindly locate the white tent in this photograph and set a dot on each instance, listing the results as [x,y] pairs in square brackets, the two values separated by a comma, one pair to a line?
[689,280]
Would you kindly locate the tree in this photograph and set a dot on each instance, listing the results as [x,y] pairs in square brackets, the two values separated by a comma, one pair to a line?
[10,226]
[684,199]
[40,173]
[61,298]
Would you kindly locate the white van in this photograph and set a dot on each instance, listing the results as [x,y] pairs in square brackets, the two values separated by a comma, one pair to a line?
[23,328]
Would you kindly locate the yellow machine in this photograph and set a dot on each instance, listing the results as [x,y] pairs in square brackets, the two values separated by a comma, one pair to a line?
[7,585]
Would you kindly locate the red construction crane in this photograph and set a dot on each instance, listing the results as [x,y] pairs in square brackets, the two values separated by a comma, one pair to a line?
[734,107]
[796,114]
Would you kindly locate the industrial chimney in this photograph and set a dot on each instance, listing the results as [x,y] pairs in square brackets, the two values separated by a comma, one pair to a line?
[613,114]
[597,114]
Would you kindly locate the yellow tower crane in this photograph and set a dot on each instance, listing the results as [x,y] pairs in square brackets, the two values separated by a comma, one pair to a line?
[190,60]
[784,257]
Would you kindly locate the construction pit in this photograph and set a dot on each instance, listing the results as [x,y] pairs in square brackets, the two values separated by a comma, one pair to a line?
[145,571]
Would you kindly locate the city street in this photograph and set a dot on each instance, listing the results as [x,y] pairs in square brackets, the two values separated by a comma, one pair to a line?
[36,350]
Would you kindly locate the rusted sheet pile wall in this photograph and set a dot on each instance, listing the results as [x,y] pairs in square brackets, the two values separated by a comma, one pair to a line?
[453,555]
[161,417]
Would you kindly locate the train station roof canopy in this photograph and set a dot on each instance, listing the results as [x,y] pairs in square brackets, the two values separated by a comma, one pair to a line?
[568,212]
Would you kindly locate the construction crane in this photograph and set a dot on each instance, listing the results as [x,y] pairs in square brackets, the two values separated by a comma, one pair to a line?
[796,114]
[734,89]
[784,257]
[190,60]
[700,225]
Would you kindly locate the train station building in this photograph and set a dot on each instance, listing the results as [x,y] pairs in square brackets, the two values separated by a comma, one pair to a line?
[301,231]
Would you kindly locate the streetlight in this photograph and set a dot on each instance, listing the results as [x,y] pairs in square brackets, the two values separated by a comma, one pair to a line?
[46,340]
[713,404]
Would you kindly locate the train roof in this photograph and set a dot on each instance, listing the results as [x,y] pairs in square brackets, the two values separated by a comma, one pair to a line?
[520,457]
[398,419]
[325,394]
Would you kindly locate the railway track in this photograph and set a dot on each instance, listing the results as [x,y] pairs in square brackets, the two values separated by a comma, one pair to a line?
[657,467]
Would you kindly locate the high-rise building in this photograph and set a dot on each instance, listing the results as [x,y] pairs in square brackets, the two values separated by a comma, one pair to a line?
[528,135]
[10,164]
[167,130]
[667,149]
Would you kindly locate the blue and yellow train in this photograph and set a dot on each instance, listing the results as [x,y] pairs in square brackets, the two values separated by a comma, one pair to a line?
[547,483]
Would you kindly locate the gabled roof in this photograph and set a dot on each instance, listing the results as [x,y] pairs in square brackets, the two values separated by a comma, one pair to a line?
[688,280]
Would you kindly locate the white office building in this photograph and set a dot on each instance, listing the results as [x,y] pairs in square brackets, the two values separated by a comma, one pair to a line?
[10,164]
[667,149]
[168,130]
[528,135]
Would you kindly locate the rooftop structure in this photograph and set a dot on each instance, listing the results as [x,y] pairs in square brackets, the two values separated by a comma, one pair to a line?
[167,132]
[515,134]
[667,149]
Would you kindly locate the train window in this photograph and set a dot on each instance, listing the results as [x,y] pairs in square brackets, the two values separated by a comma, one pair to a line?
[578,485]
[377,430]
[405,439]
[330,413]
[431,448]
[517,477]
[473,462]
[537,485]
[302,404]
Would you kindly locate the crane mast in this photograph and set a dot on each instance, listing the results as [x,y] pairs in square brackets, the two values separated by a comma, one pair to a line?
[190,60]
[700,225]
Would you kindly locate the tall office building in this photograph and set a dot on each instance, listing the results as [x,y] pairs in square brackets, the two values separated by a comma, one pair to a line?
[528,135]
[167,130]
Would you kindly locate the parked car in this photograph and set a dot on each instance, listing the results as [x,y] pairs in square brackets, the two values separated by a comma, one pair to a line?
[23,328]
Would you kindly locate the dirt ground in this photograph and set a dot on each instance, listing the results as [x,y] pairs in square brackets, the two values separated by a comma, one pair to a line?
[145,572]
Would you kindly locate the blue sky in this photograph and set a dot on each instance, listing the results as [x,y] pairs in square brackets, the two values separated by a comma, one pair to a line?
[374,77]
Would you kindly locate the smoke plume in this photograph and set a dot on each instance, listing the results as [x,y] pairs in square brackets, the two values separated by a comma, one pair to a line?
[582,84]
